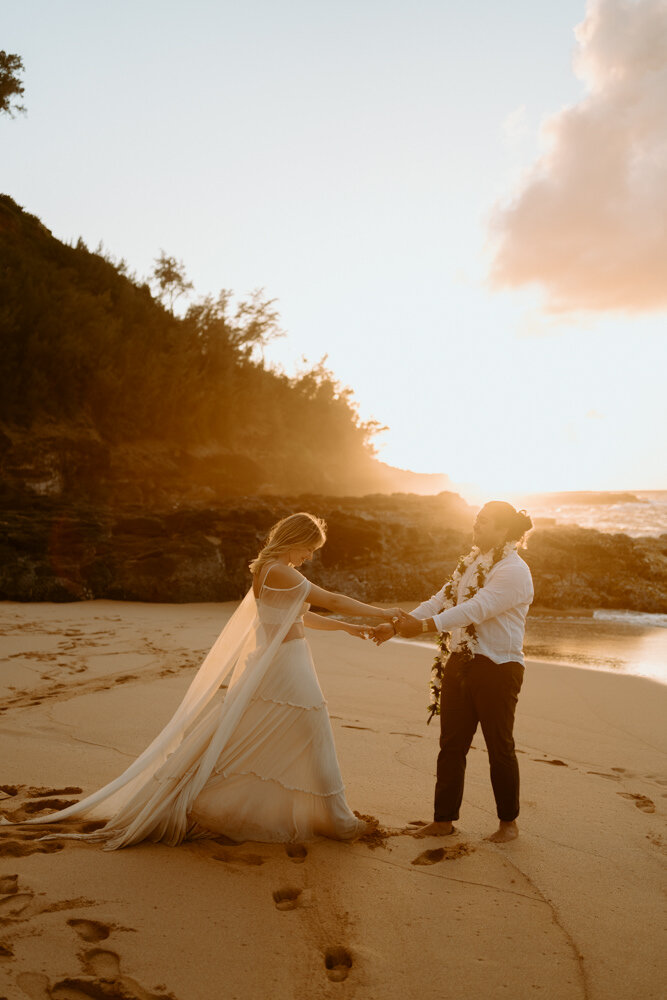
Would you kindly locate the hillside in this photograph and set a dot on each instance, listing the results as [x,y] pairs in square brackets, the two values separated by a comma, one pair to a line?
[105,392]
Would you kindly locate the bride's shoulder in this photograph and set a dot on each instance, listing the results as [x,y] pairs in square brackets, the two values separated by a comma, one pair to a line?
[281,577]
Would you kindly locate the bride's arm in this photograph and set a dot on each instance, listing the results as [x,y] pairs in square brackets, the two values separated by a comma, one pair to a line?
[343,605]
[311,620]
[284,577]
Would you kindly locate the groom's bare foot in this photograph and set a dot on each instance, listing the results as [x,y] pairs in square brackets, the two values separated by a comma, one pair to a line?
[504,833]
[435,829]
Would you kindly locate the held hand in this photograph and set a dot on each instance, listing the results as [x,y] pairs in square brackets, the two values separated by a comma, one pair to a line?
[407,626]
[392,613]
[359,631]
[381,633]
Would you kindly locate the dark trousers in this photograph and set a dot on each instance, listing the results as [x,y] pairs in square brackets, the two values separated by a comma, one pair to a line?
[478,691]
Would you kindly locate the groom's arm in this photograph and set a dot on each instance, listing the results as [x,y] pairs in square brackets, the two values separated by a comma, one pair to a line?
[426,611]
[431,606]
[508,587]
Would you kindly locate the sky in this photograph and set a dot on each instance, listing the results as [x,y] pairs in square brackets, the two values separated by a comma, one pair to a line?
[462,206]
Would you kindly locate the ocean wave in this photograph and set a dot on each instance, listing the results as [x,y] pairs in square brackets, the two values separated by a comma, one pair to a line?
[645,516]
[644,618]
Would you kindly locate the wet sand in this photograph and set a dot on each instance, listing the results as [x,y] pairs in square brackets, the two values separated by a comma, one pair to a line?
[571,909]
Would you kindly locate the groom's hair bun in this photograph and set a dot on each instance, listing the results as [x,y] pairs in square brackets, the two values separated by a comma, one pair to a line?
[522,524]
[515,522]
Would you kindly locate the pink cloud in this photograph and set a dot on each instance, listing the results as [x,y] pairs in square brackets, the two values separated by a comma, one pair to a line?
[589,221]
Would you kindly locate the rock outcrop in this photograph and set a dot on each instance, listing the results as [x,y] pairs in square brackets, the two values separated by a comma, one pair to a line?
[380,548]
[580,567]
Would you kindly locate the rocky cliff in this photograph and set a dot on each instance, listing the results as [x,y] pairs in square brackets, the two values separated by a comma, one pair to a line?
[380,547]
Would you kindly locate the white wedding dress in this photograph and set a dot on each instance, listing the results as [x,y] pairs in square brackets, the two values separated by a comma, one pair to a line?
[259,764]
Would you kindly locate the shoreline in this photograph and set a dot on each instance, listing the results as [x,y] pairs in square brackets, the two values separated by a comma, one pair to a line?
[572,637]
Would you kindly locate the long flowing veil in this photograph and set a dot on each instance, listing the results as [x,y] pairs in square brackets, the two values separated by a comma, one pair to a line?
[150,800]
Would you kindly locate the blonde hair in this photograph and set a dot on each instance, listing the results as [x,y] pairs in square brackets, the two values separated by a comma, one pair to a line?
[300,529]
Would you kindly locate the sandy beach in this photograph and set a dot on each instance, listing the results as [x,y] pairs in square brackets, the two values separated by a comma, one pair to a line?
[573,909]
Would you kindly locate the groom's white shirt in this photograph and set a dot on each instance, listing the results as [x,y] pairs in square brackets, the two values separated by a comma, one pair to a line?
[498,610]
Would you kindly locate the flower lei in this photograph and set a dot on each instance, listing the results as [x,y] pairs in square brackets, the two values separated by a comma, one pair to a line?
[467,643]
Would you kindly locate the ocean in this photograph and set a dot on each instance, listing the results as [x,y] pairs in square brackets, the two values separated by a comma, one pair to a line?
[619,641]
[639,513]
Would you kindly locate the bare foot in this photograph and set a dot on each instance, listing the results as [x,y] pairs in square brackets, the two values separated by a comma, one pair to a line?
[362,828]
[435,829]
[504,833]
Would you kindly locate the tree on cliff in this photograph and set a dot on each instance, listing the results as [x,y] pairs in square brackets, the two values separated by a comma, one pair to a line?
[253,325]
[170,278]
[83,343]
[11,86]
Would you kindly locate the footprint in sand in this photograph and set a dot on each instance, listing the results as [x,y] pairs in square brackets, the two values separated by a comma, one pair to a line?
[90,930]
[55,804]
[555,761]
[6,950]
[437,854]
[345,726]
[21,849]
[8,884]
[296,853]
[416,735]
[34,985]
[337,962]
[102,963]
[103,981]
[286,899]
[641,801]
[15,905]
[602,774]
[430,857]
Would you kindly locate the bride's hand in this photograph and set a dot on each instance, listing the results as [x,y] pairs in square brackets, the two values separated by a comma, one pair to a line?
[392,613]
[358,631]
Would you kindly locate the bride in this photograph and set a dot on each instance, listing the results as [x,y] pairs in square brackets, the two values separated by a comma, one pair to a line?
[261,764]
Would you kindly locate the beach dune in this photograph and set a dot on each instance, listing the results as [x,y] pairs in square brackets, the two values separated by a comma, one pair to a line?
[572,909]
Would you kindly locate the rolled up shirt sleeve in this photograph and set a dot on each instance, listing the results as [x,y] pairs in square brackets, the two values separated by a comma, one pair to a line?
[506,588]
[429,608]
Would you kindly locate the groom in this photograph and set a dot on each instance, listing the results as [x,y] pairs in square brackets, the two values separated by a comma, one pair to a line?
[487,601]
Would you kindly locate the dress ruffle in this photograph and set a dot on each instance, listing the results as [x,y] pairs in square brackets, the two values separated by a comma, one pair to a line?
[278,778]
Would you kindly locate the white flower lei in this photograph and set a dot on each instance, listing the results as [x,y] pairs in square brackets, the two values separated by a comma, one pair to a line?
[467,643]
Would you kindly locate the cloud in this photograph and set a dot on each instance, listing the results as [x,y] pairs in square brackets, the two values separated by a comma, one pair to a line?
[589,221]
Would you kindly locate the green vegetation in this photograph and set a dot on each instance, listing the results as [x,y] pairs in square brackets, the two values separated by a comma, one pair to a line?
[11,86]
[84,344]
